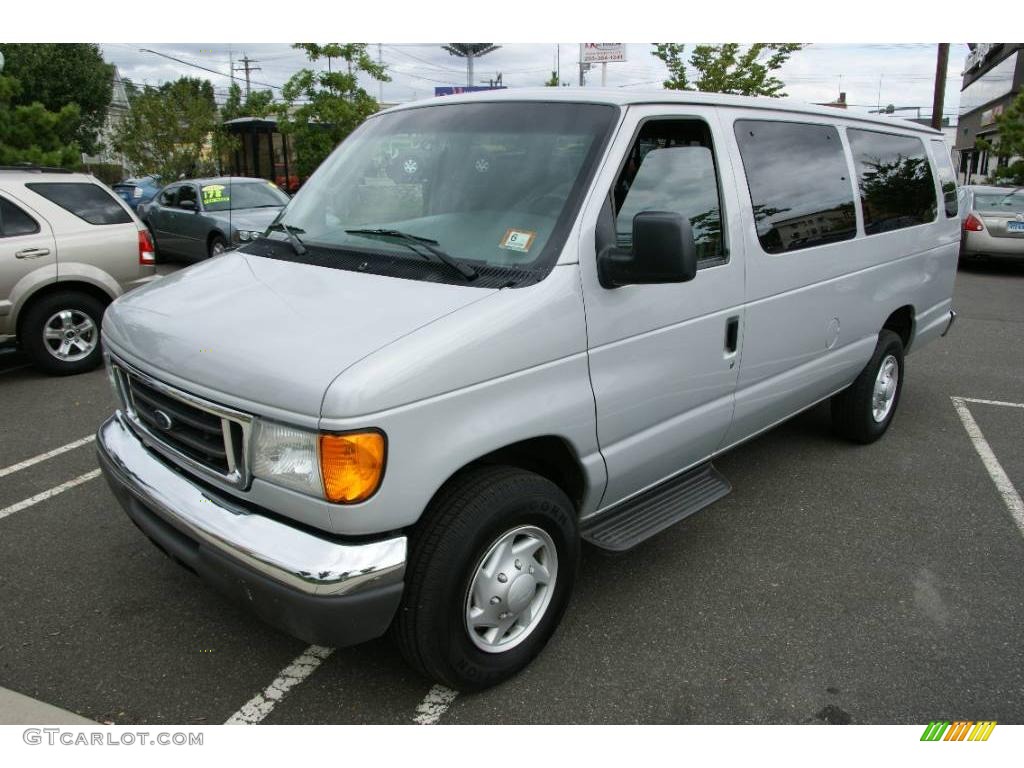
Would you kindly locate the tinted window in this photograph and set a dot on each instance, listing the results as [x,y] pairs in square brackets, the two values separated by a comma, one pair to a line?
[14,221]
[187,192]
[167,197]
[799,184]
[89,202]
[895,180]
[947,178]
[671,167]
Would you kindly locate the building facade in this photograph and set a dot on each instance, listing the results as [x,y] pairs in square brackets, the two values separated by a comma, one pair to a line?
[992,78]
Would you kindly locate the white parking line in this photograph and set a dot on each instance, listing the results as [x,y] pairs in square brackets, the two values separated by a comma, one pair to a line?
[24,504]
[434,704]
[262,704]
[48,455]
[988,458]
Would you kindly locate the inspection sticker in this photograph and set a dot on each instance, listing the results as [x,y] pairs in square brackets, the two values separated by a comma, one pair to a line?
[517,240]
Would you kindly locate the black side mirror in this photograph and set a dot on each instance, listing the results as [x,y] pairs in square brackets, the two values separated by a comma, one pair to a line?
[188,205]
[663,252]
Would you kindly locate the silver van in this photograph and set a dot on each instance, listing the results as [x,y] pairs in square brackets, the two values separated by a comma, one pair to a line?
[68,247]
[491,327]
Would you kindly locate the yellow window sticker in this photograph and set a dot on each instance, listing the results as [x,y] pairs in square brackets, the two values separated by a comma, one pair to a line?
[517,240]
[214,193]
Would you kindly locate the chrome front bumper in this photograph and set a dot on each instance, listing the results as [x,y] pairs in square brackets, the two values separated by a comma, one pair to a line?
[290,556]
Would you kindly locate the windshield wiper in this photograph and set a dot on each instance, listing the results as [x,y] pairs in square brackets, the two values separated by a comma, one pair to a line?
[293,238]
[414,243]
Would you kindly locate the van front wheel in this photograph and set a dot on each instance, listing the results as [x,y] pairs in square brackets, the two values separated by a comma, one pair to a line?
[864,410]
[490,574]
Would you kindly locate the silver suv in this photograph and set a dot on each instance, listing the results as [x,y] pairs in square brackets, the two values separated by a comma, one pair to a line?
[68,247]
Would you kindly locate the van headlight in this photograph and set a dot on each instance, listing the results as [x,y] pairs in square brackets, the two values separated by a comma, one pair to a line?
[342,468]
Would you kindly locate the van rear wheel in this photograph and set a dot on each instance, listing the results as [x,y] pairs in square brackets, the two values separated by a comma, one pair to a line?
[863,412]
[490,574]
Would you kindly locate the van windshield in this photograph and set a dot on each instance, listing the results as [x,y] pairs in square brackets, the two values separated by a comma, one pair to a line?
[495,185]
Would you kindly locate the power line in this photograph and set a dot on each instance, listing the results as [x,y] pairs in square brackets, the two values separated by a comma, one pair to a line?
[206,69]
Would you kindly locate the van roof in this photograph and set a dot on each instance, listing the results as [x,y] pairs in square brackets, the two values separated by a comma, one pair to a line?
[623,97]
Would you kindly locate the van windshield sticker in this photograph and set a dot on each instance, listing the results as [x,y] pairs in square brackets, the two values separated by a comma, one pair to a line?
[517,240]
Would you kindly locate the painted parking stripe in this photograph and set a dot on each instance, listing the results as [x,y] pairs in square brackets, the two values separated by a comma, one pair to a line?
[48,455]
[989,402]
[262,704]
[26,503]
[988,458]
[434,705]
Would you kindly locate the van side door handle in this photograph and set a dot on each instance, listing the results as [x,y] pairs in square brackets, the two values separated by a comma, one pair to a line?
[32,253]
[732,332]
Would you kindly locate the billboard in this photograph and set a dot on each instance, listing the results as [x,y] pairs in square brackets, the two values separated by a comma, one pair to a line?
[602,53]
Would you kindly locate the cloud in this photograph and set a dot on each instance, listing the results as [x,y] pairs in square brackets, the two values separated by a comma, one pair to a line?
[869,74]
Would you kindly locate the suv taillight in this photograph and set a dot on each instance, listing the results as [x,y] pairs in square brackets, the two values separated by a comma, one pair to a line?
[147,254]
[973,224]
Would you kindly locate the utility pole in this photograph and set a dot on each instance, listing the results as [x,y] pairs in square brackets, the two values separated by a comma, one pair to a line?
[941,64]
[247,68]
[380,83]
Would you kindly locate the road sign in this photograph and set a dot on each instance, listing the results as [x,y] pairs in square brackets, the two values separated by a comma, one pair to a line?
[602,53]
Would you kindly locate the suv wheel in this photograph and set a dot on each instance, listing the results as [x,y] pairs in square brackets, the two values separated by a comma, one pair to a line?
[61,333]
[490,574]
[863,412]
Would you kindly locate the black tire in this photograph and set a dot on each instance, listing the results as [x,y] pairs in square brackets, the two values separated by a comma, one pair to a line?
[33,327]
[469,514]
[852,409]
[216,241]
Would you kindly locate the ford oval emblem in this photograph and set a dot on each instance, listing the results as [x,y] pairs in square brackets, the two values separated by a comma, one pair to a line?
[163,420]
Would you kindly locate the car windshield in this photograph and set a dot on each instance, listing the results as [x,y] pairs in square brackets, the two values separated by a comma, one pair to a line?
[235,195]
[494,184]
[1010,201]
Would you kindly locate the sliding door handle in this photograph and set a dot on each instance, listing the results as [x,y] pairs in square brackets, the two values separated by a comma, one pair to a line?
[732,333]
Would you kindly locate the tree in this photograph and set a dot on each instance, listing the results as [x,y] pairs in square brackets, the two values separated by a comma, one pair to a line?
[169,129]
[58,74]
[727,68]
[552,82]
[257,104]
[322,108]
[1010,144]
[33,134]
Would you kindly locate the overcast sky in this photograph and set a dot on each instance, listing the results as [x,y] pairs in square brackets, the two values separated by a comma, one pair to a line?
[901,75]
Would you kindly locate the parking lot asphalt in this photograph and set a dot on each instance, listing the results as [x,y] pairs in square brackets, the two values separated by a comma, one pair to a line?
[836,583]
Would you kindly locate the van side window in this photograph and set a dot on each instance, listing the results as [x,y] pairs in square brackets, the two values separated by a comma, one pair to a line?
[947,178]
[14,221]
[895,180]
[799,184]
[671,167]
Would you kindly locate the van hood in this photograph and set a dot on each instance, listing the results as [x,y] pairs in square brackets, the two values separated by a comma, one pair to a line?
[260,331]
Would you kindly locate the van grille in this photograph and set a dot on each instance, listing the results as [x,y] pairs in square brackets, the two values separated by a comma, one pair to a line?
[188,429]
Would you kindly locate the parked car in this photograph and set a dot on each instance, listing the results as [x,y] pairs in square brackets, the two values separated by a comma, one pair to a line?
[138,191]
[490,327]
[68,247]
[993,222]
[196,219]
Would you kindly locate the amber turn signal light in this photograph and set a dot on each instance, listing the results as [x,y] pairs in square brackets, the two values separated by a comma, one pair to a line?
[351,465]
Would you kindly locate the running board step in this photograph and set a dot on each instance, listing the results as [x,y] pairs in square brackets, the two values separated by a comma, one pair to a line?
[654,510]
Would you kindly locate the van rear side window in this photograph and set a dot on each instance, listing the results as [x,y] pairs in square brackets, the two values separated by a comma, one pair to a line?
[89,202]
[799,184]
[894,179]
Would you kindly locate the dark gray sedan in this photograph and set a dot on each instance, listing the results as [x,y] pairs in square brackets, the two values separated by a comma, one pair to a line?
[199,218]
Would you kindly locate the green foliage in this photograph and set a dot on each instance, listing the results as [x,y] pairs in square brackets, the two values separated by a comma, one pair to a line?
[33,134]
[1010,143]
[58,74]
[726,68]
[258,104]
[552,82]
[322,108]
[169,129]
